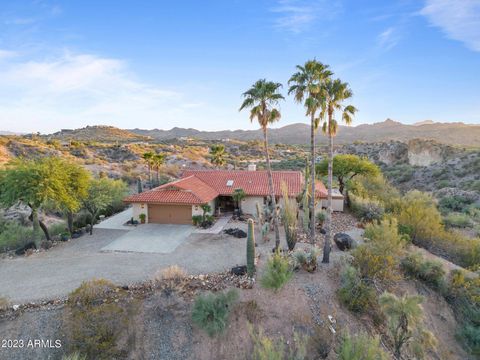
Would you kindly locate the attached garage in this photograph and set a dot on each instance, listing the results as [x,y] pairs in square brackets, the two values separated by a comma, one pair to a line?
[170,214]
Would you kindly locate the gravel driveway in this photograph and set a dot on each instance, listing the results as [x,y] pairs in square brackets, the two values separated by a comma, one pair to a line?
[56,272]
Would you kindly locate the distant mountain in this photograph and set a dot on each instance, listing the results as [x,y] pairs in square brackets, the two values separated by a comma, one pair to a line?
[98,133]
[9,133]
[448,133]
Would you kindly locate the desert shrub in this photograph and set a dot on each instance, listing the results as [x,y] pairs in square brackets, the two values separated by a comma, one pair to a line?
[429,271]
[170,279]
[97,319]
[378,259]
[57,228]
[361,347]
[457,220]
[455,203]
[321,342]
[419,218]
[13,235]
[81,219]
[210,311]
[264,348]
[354,292]
[457,248]
[74,356]
[253,312]
[306,260]
[404,324]
[464,293]
[277,273]
[469,335]
[197,220]
[321,217]
[375,188]
[4,303]
[366,209]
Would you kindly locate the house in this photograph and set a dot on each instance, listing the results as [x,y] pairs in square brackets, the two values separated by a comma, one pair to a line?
[177,201]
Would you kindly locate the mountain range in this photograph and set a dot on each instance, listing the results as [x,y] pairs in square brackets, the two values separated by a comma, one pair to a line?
[449,133]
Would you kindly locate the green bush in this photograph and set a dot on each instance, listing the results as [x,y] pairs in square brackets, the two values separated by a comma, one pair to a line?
[366,209]
[378,258]
[98,316]
[458,220]
[361,347]
[197,220]
[354,292]
[277,272]
[13,235]
[454,203]
[429,271]
[57,228]
[210,311]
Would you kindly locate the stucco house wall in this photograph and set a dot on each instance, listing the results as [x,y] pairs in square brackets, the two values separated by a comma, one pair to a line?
[337,204]
[197,209]
[249,204]
[138,209]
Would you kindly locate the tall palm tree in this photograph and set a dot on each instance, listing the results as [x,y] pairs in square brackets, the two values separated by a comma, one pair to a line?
[148,160]
[261,99]
[157,161]
[335,92]
[306,85]
[217,155]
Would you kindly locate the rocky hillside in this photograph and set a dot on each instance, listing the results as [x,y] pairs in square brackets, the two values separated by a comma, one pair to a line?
[423,164]
[98,133]
[448,133]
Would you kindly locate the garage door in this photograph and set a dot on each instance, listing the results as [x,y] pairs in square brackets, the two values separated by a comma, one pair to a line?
[170,214]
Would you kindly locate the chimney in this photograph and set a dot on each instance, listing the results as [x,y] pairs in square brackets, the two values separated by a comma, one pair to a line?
[252,167]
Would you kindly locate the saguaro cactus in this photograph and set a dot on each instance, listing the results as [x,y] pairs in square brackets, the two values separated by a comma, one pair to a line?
[250,249]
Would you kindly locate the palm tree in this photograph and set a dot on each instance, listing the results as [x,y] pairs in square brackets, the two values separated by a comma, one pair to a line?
[335,92]
[306,85]
[157,161]
[261,99]
[148,160]
[217,155]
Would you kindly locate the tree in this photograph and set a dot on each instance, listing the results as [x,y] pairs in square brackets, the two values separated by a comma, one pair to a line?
[404,318]
[102,193]
[35,183]
[334,93]
[306,85]
[346,167]
[238,195]
[157,162]
[217,155]
[261,99]
[147,157]
[206,208]
[77,188]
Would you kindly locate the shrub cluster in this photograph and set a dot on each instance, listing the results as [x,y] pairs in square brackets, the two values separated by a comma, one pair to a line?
[98,317]
[366,209]
[210,311]
[354,291]
[278,272]
[361,347]
[429,271]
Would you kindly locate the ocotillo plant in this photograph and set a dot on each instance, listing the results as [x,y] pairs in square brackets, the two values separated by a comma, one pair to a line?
[250,249]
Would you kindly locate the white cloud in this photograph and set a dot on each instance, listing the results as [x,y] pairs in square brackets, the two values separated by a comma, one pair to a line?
[296,16]
[74,90]
[4,54]
[458,19]
[388,38]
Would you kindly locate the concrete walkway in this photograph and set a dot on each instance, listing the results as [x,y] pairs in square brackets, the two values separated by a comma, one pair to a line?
[117,221]
[151,238]
[217,227]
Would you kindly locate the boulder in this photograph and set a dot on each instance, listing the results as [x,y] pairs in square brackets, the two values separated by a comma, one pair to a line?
[344,241]
[236,232]
[239,270]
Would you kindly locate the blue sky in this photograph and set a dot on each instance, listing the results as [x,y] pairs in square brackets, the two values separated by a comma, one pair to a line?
[159,64]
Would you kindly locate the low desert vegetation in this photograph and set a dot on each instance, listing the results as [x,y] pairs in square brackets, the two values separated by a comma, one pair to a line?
[278,271]
[211,311]
[171,279]
[98,320]
[361,347]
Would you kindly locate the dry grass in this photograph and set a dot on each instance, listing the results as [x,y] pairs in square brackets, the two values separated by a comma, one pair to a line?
[4,304]
[170,279]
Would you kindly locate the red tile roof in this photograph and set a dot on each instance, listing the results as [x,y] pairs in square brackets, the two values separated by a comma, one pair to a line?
[189,190]
[201,186]
[254,183]
[320,190]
